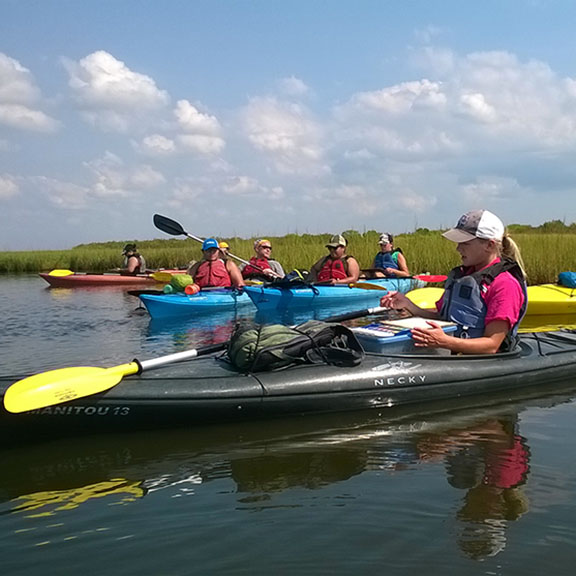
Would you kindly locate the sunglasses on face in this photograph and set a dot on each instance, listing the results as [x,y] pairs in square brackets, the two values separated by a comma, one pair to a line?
[266,247]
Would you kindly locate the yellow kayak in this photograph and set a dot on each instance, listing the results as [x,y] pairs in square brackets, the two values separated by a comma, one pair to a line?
[543,299]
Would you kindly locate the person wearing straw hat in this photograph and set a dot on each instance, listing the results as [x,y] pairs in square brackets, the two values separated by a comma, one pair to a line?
[486,296]
[338,267]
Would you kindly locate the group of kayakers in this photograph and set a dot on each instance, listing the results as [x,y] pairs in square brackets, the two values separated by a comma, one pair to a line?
[486,296]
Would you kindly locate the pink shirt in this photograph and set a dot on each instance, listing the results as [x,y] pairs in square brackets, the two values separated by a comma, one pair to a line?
[504,298]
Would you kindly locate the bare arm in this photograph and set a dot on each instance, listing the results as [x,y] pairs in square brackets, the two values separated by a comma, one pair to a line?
[398,301]
[353,273]
[489,343]
[235,274]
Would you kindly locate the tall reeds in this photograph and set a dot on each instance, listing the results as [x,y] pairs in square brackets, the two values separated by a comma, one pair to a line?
[545,255]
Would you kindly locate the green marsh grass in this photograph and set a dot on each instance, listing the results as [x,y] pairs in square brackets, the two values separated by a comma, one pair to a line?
[545,254]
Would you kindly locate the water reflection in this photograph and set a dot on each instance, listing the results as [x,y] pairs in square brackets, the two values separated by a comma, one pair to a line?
[490,461]
[484,457]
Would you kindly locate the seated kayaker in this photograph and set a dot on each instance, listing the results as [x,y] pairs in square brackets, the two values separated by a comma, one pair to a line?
[262,266]
[389,262]
[337,267]
[224,248]
[486,296]
[212,271]
[134,262]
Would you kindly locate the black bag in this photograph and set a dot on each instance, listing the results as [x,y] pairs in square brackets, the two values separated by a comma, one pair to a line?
[255,348]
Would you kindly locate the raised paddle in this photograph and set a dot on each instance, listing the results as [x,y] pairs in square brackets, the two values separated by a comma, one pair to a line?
[67,384]
[175,229]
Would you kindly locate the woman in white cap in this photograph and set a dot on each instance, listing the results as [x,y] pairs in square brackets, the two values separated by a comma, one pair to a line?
[389,262]
[486,296]
[337,267]
[212,271]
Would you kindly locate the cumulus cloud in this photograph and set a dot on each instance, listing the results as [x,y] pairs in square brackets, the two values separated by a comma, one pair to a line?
[156,145]
[8,187]
[112,96]
[65,195]
[19,99]
[114,178]
[287,133]
[293,86]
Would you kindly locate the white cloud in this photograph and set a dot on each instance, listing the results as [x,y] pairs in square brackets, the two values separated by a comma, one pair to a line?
[293,86]
[8,187]
[114,178]
[287,133]
[19,97]
[190,119]
[66,195]
[156,145]
[201,143]
[113,96]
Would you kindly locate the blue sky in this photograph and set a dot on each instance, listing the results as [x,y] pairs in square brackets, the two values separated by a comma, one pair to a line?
[259,118]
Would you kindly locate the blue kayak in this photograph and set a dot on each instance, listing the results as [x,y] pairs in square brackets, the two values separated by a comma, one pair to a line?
[181,305]
[269,297]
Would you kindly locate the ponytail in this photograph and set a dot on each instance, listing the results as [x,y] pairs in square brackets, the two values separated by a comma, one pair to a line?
[509,249]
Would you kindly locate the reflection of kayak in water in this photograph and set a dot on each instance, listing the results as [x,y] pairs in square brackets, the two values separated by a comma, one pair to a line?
[543,299]
[48,478]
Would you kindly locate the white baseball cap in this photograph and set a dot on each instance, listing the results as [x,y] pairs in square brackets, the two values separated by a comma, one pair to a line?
[476,224]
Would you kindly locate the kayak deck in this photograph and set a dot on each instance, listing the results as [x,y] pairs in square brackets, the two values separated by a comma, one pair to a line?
[209,389]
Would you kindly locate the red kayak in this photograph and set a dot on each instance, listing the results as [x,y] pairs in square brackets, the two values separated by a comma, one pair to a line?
[77,279]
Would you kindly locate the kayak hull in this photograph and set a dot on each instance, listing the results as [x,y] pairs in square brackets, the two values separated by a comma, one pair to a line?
[210,390]
[268,297]
[79,280]
[543,299]
[161,306]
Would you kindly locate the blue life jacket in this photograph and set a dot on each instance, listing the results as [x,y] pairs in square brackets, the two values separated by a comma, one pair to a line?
[387,259]
[463,302]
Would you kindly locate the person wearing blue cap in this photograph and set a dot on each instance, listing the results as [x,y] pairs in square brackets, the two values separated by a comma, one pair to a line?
[212,271]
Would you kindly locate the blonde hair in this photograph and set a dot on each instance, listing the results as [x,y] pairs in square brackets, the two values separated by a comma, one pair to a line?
[509,249]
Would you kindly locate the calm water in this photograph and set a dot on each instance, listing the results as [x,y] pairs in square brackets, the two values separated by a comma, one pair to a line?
[488,488]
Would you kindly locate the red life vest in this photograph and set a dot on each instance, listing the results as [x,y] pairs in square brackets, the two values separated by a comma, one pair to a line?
[262,264]
[333,269]
[212,273]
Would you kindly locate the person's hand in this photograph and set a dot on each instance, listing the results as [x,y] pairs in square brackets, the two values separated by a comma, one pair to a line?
[390,271]
[394,300]
[433,337]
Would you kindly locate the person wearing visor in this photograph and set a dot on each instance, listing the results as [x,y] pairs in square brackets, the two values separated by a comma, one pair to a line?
[486,296]
[389,262]
[337,267]
[262,266]
[134,262]
[212,271]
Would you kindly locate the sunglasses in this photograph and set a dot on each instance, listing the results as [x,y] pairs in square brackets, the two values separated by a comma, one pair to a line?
[266,247]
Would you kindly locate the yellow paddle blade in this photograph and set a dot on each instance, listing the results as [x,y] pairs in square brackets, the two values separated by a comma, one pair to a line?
[63,385]
[367,286]
[60,273]
[162,276]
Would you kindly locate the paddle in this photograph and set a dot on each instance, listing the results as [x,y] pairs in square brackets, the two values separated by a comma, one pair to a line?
[158,276]
[423,277]
[66,384]
[369,286]
[175,229]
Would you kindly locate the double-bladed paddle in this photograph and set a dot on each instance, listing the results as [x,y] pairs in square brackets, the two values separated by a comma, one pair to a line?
[159,276]
[66,384]
[175,229]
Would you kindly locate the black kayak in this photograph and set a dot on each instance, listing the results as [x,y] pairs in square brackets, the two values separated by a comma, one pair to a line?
[209,389]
